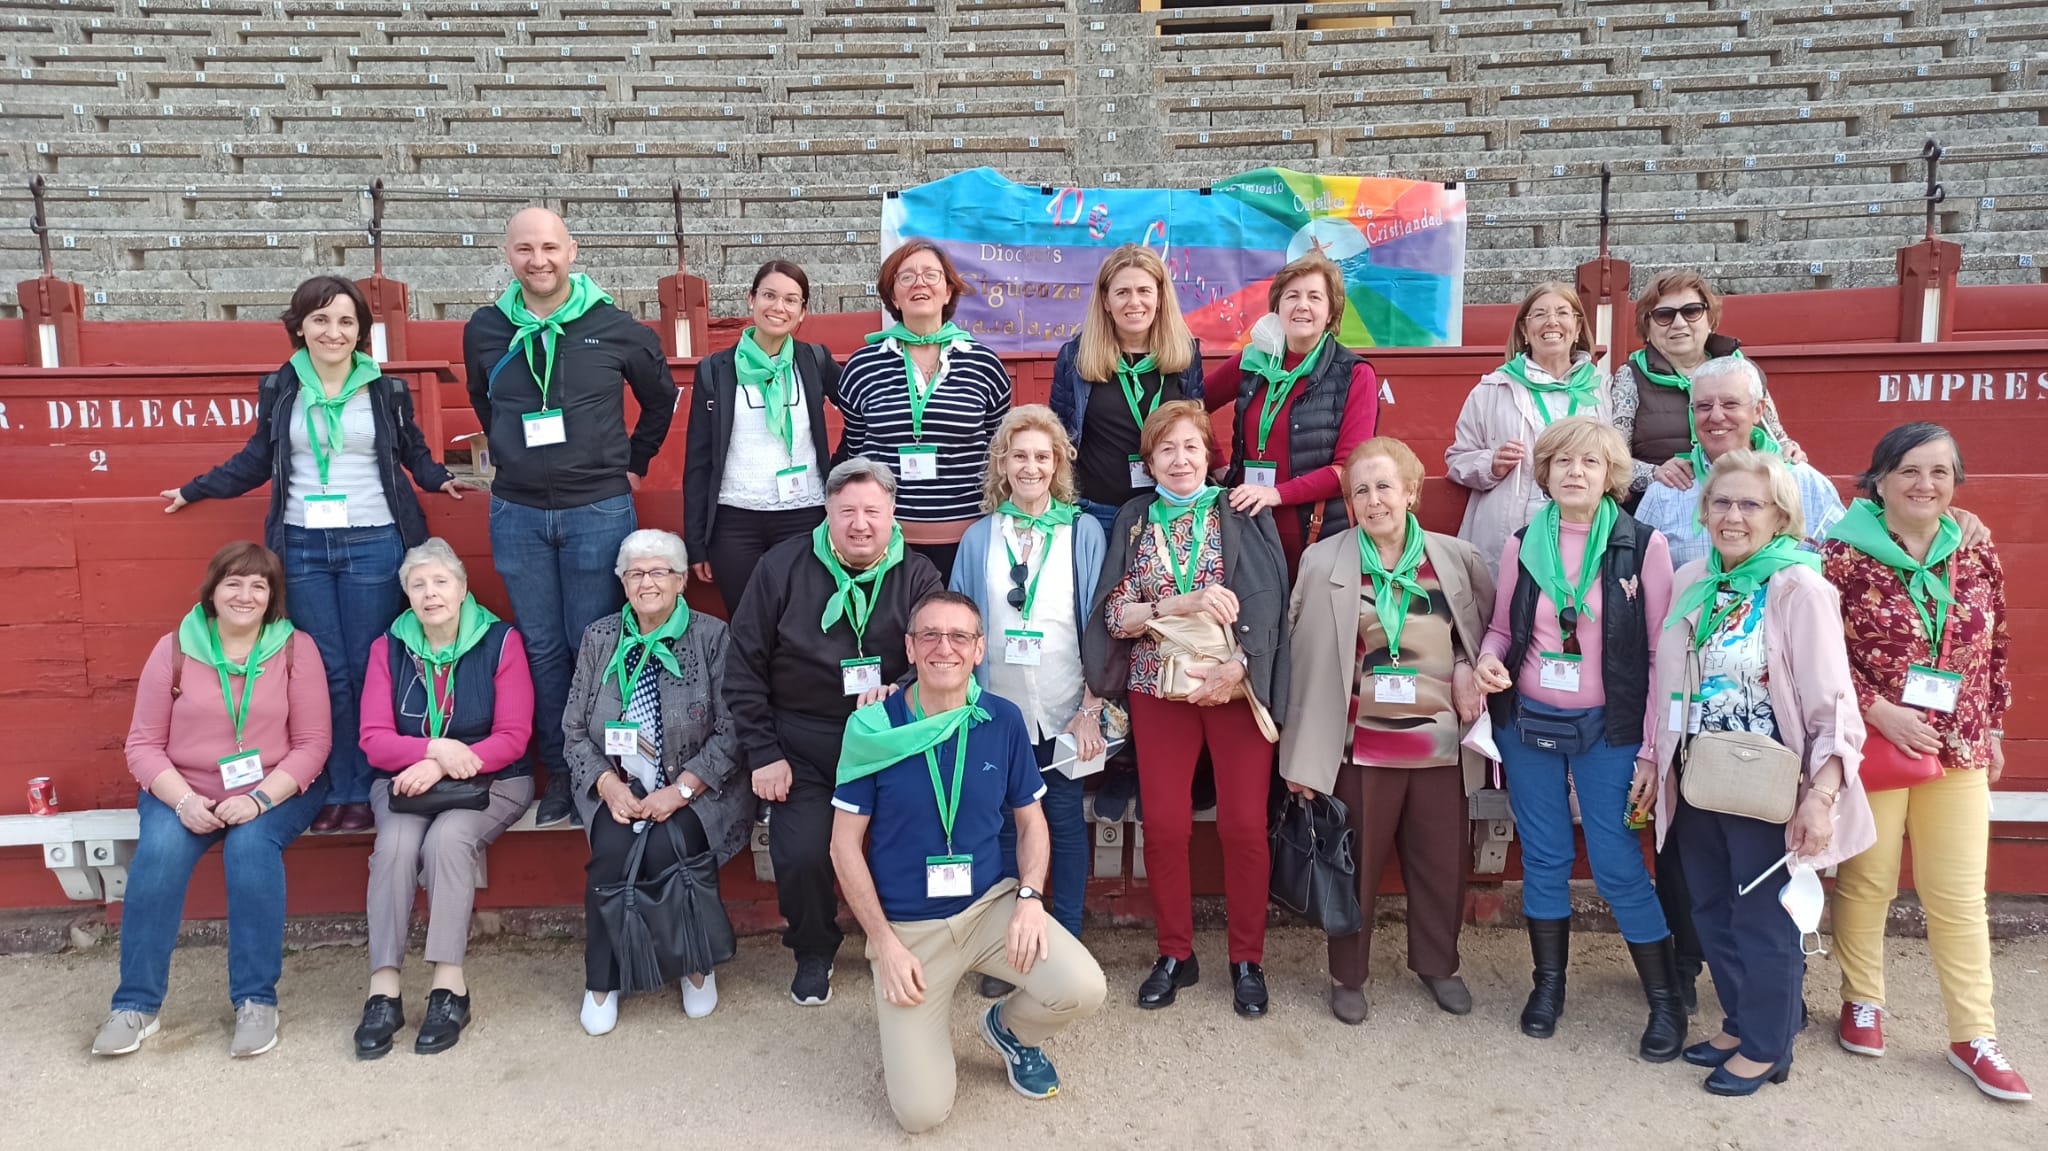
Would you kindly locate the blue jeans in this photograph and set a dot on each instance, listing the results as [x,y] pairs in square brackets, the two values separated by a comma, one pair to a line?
[1068,873]
[559,569]
[252,856]
[341,588]
[1538,785]
[1752,946]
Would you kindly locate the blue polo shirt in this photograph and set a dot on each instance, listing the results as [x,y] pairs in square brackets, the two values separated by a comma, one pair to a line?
[905,828]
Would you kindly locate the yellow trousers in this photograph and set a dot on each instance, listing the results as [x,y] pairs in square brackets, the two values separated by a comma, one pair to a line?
[1949,822]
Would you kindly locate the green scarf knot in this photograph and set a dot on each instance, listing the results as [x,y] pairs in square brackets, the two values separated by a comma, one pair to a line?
[1131,377]
[583,296]
[1056,514]
[323,415]
[854,596]
[1393,588]
[872,743]
[1863,528]
[655,644]
[1581,384]
[1542,556]
[1749,575]
[199,637]
[473,623]
[906,339]
[775,378]
[1280,381]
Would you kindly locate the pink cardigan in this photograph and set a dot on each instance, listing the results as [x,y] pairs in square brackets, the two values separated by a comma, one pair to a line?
[511,712]
[290,719]
[1809,669]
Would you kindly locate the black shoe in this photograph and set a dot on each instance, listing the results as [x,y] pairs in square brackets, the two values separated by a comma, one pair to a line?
[1705,1054]
[1550,943]
[812,986]
[383,1017]
[1168,976]
[993,988]
[1689,983]
[1657,965]
[1248,981]
[447,1015]
[555,805]
[1114,798]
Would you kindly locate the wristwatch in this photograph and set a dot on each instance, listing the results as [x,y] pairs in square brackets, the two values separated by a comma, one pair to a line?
[689,793]
[1029,892]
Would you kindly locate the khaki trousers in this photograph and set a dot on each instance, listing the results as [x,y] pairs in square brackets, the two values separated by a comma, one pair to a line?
[917,1042]
[442,850]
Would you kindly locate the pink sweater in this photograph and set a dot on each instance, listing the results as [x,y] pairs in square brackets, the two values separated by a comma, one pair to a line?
[511,713]
[290,719]
[1546,636]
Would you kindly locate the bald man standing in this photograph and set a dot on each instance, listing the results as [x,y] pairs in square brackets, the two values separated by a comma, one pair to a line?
[545,364]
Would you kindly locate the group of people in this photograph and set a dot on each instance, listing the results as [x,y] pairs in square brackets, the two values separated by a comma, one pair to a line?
[1643,559]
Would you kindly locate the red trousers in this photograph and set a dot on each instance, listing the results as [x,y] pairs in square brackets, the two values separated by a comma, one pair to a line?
[1170,736]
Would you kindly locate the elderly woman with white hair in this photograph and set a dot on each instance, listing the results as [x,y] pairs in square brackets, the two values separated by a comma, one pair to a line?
[655,671]
[447,714]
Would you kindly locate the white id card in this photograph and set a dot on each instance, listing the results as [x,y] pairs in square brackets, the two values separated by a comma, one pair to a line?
[326,511]
[1262,473]
[1023,647]
[918,461]
[1932,689]
[948,876]
[544,428]
[1140,478]
[1684,716]
[241,769]
[859,675]
[1556,671]
[790,484]
[1393,685]
[621,738]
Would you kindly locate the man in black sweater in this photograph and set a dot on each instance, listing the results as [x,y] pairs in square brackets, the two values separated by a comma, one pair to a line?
[819,631]
[544,365]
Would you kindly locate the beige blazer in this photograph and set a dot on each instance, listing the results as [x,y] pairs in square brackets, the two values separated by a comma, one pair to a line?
[1323,622]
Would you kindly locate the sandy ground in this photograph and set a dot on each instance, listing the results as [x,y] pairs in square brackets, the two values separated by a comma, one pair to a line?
[763,1072]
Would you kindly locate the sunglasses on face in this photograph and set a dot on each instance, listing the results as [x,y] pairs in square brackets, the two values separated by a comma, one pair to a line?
[1662,317]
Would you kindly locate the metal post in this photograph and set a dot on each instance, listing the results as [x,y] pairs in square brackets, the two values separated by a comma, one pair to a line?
[675,192]
[1932,153]
[1606,178]
[39,223]
[377,227]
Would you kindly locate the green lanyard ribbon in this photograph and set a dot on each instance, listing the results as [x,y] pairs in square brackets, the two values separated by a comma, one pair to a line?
[1863,528]
[323,413]
[1168,508]
[1279,382]
[774,377]
[583,296]
[473,623]
[199,637]
[1543,556]
[1393,588]
[1132,379]
[907,339]
[949,806]
[854,596]
[1581,384]
[1055,515]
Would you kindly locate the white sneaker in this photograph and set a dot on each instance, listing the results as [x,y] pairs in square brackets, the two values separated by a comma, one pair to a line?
[700,1001]
[600,1018]
[123,1032]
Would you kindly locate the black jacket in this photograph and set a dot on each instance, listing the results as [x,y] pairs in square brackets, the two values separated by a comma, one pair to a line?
[1313,421]
[596,351]
[708,435]
[267,458]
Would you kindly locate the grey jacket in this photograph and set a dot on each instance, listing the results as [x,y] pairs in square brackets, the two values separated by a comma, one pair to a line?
[697,731]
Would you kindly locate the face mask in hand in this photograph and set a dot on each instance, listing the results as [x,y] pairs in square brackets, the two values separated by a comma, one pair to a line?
[1802,898]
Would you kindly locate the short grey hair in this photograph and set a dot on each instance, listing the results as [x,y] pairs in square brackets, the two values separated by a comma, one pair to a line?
[653,543]
[861,469]
[434,551]
[1732,366]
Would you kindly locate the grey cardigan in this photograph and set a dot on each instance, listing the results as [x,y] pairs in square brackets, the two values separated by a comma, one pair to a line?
[697,731]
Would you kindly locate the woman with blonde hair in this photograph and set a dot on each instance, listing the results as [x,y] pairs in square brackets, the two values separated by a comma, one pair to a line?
[1134,353]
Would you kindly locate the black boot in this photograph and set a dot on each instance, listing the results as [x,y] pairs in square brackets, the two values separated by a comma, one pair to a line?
[556,807]
[1689,983]
[1550,943]
[1657,964]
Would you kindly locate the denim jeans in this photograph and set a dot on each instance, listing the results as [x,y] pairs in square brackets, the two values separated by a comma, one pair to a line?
[559,568]
[1538,786]
[1064,822]
[252,857]
[341,588]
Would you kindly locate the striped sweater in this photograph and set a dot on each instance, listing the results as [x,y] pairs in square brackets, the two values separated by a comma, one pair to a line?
[961,416]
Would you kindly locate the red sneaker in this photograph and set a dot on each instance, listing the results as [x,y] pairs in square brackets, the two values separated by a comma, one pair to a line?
[1862,1028]
[1987,1067]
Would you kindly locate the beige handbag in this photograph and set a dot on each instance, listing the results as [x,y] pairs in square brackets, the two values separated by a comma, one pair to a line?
[1198,641]
[1736,772]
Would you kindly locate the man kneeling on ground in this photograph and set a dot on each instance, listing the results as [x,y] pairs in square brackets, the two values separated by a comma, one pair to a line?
[932,770]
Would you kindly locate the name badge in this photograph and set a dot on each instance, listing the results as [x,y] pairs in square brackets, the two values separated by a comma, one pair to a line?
[241,769]
[1262,473]
[1685,714]
[918,461]
[948,876]
[326,511]
[544,428]
[1393,684]
[1023,647]
[1556,671]
[790,483]
[1932,688]
[1140,478]
[859,675]
[621,738]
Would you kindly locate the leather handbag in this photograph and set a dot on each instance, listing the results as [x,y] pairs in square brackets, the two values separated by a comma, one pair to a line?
[1736,772]
[472,794]
[667,925]
[1198,641]
[1315,874]
[1887,766]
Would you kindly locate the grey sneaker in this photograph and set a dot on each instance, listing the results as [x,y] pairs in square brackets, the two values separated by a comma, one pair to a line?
[255,1029]
[123,1032]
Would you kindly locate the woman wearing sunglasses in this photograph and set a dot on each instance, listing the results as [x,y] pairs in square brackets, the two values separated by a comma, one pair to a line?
[1031,567]
[1676,318]
[1582,594]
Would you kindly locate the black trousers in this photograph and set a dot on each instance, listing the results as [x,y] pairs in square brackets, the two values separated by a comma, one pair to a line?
[800,836]
[610,843]
[740,536]
[1676,898]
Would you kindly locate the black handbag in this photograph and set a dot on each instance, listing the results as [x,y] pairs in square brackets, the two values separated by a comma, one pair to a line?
[1557,730]
[472,794]
[668,925]
[1314,872]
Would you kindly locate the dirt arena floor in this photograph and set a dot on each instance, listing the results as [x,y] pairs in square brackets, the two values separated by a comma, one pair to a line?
[762,1072]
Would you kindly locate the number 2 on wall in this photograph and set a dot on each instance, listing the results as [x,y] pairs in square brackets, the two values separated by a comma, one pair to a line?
[98,456]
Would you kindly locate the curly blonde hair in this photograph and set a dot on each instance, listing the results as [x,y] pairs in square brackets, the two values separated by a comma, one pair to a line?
[995,485]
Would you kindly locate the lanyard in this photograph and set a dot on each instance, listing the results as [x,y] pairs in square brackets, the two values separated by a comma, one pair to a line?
[437,715]
[1044,557]
[238,709]
[1278,390]
[859,608]
[918,399]
[949,809]
[1198,534]
[1935,623]
[324,448]
[1132,378]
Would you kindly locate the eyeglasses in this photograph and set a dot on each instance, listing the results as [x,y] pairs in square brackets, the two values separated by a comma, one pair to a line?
[909,279]
[1568,623]
[1019,575]
[1545,315]
[929,640]
[1722,505]
[638,575]
[1662,317]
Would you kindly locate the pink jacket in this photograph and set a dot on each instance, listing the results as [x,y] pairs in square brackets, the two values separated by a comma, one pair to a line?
[1498,410]
[1809,670]
[290,719]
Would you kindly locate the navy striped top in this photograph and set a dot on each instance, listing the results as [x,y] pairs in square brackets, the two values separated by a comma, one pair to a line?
[960,418]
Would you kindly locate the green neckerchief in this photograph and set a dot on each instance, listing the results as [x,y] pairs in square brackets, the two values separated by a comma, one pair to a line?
[199,637]
[1391,590]
[1640,361]
[1543,558]
[907,339]
[851,599]
[1759,441]
[583,296]
[1582,384]
[1132,379]
[473,623]
[1054,515]
[872,743]
[1279,381]
[1863,528]
[323,413]
[650,644]
[1749,575]
[772,376]
[1168,508]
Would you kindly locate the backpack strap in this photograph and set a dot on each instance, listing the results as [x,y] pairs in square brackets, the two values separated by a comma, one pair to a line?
[177,674]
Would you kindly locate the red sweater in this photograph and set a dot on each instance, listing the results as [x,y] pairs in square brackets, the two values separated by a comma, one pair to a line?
[511,711]
[290,719]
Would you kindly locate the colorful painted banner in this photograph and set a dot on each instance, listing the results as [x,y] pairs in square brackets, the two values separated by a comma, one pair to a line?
[1030,253]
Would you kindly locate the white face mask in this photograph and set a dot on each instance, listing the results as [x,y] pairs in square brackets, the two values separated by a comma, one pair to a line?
[1269,335]
[1802,898]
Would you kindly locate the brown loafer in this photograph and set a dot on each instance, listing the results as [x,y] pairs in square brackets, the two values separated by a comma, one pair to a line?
[328,817]
[355,817]
[1348,1004]
[1450,992]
